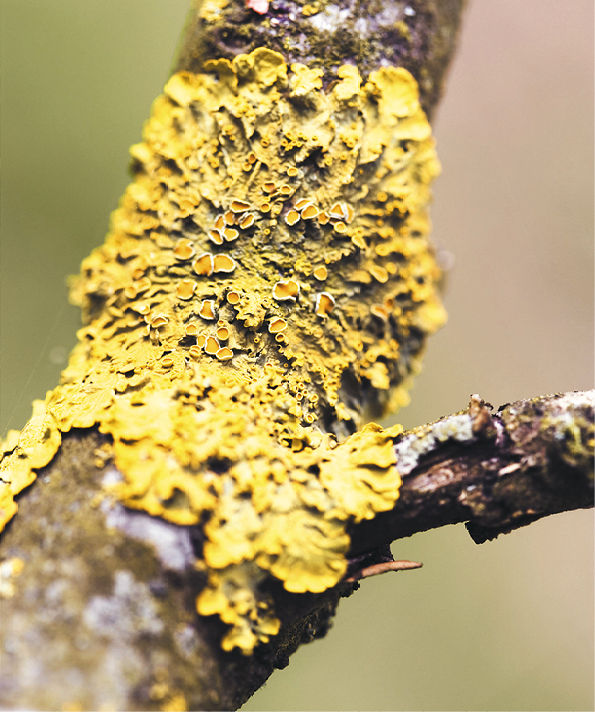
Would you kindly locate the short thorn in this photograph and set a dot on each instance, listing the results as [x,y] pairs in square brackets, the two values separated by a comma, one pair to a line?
[377,569]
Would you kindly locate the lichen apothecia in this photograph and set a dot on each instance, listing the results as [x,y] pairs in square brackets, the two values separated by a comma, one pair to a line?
[267,273]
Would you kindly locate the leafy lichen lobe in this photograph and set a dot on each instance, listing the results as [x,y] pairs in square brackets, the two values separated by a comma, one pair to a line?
[267,278]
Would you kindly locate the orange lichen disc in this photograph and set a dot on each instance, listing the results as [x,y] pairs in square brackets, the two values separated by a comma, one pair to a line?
[310,211]
[207,310]
[336,211]
[292,217]
[211,345]
[185,289]
[240,206]
[203,264]
[277,325]
[223,263]
[325,303]
[184,249]
[246,221]
[159,320]
[224,354]
[286,289]
[230,234]
[321,273]
[379,273]
[216,236]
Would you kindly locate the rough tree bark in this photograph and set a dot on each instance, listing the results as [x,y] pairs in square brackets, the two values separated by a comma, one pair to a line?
[106,602]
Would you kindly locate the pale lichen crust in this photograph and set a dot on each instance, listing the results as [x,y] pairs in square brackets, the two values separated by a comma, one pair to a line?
[267,276]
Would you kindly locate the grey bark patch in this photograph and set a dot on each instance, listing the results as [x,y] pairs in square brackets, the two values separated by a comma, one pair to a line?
[171,542]
[130,612]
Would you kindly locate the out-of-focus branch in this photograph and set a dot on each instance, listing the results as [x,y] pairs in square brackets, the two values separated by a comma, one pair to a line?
[495,471]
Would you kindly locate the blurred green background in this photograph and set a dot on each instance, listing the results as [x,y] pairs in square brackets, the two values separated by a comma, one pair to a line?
[504,626]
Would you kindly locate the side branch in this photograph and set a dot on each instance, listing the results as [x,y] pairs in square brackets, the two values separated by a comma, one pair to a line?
[495,471]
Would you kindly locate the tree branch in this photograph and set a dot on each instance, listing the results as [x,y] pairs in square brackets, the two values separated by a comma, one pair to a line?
[495,471]
[99,602]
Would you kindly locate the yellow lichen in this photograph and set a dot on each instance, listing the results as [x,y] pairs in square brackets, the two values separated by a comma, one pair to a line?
[23,453]
[210,10]
[209,353]
[308,10]
[324,304]
[321,273]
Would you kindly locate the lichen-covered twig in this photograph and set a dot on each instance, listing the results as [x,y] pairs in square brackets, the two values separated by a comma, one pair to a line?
[497,471]
[268,281]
